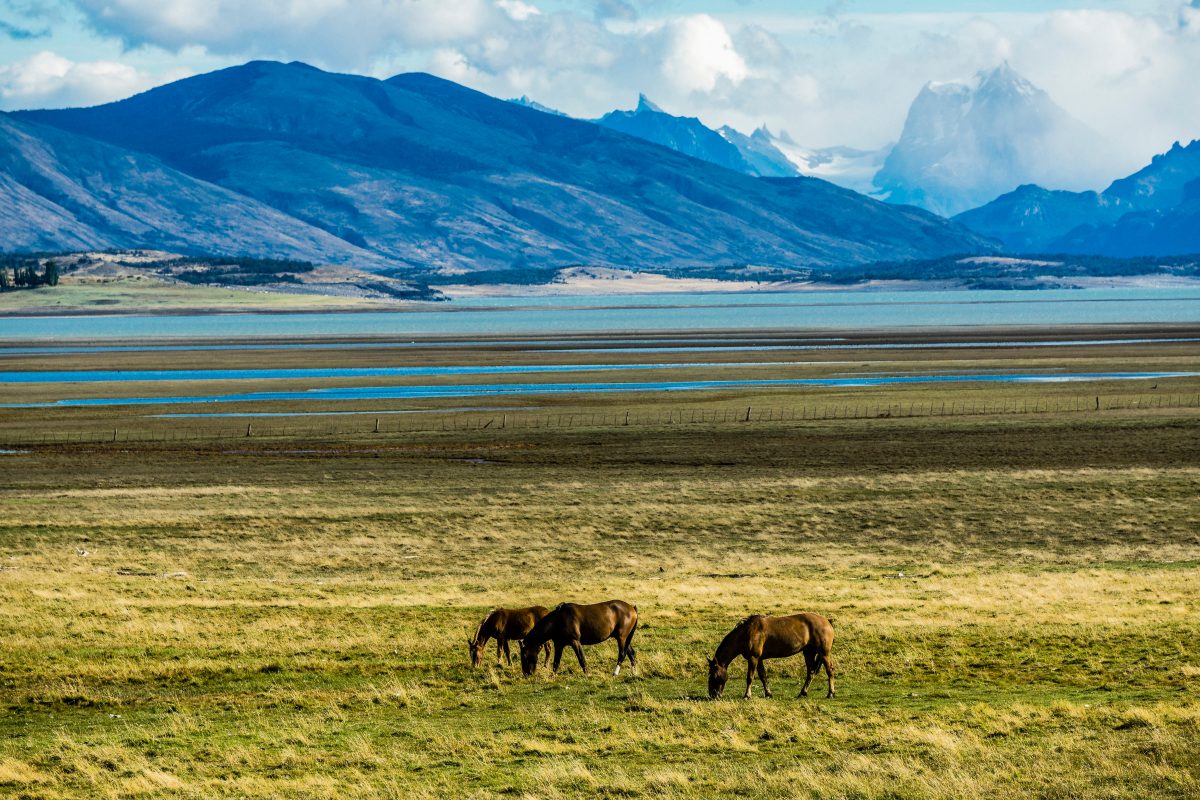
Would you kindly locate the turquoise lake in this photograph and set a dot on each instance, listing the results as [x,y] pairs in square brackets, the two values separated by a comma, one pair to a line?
[853,310]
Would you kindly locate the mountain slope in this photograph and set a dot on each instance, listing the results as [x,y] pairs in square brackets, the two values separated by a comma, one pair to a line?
[63,191]
[1152,212]
[438,177]
[1158,232]
[527,102]
[965,143]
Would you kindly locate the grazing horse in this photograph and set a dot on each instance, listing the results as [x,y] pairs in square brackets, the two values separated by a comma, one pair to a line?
[505,625]
[757,638]
[571,625]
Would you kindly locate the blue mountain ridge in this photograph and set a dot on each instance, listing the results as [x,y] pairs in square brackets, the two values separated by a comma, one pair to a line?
[1153,212]
[429,176]
[686,135]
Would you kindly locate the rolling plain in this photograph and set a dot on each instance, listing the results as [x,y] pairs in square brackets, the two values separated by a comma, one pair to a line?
[1012,570]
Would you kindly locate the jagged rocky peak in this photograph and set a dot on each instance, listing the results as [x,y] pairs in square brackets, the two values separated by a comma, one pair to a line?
[763,134]
[1006,79]
[968,141]
[645,104]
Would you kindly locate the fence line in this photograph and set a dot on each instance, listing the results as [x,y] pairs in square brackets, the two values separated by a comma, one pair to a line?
[534,419]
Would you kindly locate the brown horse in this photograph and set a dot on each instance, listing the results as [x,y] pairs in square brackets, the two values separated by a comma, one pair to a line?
[505,625]
[757,638]
[574,625]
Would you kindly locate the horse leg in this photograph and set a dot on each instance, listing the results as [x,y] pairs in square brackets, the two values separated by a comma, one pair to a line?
[828,672]
[629,651]
[762,676]
[620,658]
[751,667]
[810,667]
[507,654]
[546,647]
[499,649]
[557,655]
[579,654]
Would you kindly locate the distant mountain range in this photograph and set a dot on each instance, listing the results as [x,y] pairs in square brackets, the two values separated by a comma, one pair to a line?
[415,175]
[761,153]
[964,143]
[1155,211]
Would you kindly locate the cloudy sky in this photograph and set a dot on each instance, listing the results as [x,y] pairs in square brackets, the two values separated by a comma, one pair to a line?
[828,71]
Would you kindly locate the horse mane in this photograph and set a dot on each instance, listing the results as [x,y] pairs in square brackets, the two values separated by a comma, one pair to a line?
[729,637]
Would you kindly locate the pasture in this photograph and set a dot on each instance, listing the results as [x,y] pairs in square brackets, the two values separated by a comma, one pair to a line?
[1015,599]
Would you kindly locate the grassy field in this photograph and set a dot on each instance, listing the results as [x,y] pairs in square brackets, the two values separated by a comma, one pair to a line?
[1015,599]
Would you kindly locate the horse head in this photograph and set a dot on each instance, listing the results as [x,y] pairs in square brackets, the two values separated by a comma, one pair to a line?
[717,677]
[475,648]
[529,659]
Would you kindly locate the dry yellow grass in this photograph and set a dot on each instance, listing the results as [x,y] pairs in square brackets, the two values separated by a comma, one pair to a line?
[287,621]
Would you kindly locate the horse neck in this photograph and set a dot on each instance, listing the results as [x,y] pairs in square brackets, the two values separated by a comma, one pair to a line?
[731,646]
[486,630]
[539,634]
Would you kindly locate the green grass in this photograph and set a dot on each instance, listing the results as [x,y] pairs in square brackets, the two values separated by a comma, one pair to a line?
[1014,598]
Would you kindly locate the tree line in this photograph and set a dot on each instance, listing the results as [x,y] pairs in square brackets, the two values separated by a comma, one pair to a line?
[25,273]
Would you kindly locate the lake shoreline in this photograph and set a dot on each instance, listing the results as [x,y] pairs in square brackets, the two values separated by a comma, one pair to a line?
[623,291]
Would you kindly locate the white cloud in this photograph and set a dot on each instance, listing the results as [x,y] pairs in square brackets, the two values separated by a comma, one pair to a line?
[339,33]
[1126,74]
[47,80]
[699,52]
[518,10]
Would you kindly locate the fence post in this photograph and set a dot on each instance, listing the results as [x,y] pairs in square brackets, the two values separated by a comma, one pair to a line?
[747,413]
[248,429]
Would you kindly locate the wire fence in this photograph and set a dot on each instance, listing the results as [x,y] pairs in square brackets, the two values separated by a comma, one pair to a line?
[534,419]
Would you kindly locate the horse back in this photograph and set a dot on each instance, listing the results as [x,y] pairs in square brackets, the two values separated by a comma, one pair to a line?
[786,636]
[516,623]
[596,622]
